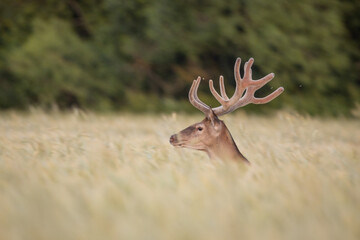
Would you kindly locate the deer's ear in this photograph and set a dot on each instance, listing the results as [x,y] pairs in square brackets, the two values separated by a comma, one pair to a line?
[212,117]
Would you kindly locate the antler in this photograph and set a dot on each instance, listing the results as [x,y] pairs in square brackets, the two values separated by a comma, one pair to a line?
[239,99]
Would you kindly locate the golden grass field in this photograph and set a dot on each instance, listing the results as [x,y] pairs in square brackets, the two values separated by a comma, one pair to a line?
[88,176]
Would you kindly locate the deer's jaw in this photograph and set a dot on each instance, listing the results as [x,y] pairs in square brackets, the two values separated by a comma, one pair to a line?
[178,140]
[185,144]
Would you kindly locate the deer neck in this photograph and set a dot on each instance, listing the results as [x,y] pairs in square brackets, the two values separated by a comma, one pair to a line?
[224,147]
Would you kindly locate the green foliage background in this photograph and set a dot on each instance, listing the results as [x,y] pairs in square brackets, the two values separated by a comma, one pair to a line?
[143,55]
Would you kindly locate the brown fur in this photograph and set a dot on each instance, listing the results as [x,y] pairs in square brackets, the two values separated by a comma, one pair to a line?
[210,135]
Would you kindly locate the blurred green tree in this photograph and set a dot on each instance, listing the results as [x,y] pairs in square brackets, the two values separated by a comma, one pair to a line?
[305,44]
[55,67]
[95,54]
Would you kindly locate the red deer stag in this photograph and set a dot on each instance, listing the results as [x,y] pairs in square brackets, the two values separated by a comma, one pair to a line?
[211,134]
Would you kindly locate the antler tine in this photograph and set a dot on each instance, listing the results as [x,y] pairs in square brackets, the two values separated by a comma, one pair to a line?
[269,97]
[264,80]
[220,99]
[239,88]
[248,71]
[194,99]
[223,98]
[237,71]
[222,88]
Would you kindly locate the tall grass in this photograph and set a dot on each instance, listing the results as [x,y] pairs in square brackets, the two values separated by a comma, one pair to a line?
[88,176]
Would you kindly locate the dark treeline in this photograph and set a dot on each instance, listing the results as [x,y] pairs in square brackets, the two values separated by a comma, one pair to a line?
[143,54]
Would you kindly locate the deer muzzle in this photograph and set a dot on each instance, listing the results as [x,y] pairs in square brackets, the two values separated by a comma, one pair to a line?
[173,139]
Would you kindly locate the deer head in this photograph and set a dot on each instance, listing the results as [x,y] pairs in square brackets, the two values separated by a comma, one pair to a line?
[211,134]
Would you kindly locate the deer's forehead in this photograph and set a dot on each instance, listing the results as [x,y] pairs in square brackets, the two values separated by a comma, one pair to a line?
[205,121]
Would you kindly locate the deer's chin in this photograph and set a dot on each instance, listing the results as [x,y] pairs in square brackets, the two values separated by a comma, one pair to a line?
[179,144]
[184,145]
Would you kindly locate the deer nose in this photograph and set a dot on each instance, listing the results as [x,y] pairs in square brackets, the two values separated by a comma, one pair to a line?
[172,138]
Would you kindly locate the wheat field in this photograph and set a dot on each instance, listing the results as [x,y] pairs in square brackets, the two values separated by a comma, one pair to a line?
[89,176]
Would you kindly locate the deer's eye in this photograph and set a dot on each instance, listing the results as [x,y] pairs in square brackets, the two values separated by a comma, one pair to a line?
[199,128]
